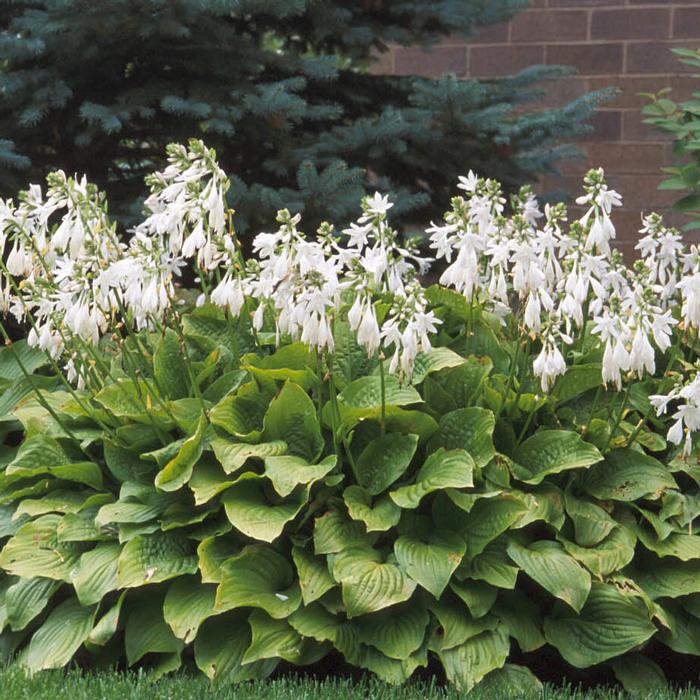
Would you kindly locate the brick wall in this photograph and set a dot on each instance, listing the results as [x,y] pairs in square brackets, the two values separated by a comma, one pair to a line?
[622,43]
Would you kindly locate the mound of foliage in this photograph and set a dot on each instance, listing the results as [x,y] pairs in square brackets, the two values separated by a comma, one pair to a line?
[321,456]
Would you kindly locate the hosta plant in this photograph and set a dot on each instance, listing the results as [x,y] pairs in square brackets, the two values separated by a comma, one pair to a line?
[316,454]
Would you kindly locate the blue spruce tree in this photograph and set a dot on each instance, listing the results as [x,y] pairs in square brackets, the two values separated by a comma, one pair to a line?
[279,87]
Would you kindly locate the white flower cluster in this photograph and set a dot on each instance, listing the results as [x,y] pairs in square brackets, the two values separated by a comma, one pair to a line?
[563,286]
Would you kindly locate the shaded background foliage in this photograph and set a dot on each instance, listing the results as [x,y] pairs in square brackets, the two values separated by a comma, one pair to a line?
[279,88]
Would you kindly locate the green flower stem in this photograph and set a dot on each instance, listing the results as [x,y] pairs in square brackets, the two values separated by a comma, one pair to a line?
[509,382]
[382,384]
[618,420]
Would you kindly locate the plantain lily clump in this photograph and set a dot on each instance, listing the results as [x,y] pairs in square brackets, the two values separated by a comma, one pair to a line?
[316,454]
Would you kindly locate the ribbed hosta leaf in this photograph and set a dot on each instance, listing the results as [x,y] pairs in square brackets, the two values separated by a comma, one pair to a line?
[258,577]
[233,454]
[333,532]
[521,617]
[377,517]
[547,563]
[169,368]
[314,577]
[488,518]
[493,565]
[35,551]
[212,553]
[20,358]
[667,577]
[609,625]
[511,681]
[61,635]
[443,469]
[433,361]
[430,563]
[177,472]
[639,675]
[208,480]
[608,556]
[551,452]
[254,513]
[241,414]
[187,604]
[108,624]
[366,392]
[397,632]
[26,599]
[146,632]
[96,573]
[478,596]
[316,622]
[679,545]
[384,460]
[469,429]
[468,663]
[591,523]
[368,583]
[155,558]
[286,472]
[292,417]
[627,475]
[456,625]
[219,648]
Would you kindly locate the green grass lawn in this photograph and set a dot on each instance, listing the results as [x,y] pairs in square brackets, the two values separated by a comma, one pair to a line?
[74,685]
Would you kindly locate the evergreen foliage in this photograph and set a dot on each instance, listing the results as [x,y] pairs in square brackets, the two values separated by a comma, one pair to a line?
[279,87]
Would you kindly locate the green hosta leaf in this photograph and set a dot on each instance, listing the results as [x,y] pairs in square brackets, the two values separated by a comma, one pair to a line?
[124,398]
[591,523]
[511,681]
[547,563]
[433,361]
[493,566]
[432,563]
[578,380]
[59,501]
[639,675]
[667,578]
[208,480]
[488,518]
[154,558]
[249,509]
[462,382]
[177,472]
[290,362]
[130,511]
[627,475]
[521,617]
[258,577]
[146,632]
[368,583]
[478,596]
[314,577]
[19,355]
[187,604]
[397,632]
[469,429]
[26,599]
[273,639]
[96,573]
[286,472]
[213,551]
[366,392]
[333,532]
[169,368]
[241,414]
[384,460]
[108,624]
[316,622]
[233,455]
[292,417]
[610,624]
[443,469]
[608,556]
[468,663]
[350,360]
[226,384]
[219,648]
[35,551]
[678,545]
[126,465]
[381,516]
[551,452]
[56,641]
[456,624]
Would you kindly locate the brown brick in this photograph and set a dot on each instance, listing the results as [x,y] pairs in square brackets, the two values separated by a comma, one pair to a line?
[559,92]
[579,3]
[624,158]
[683,87]
[549,25]
[629,89]
[631,23]
[634,128]
[658,2]
[656,57]
[607,126]
[641,192]
[686,23]
[589,59]
[493,61]
[436,62]
[490,34]
[382,63]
